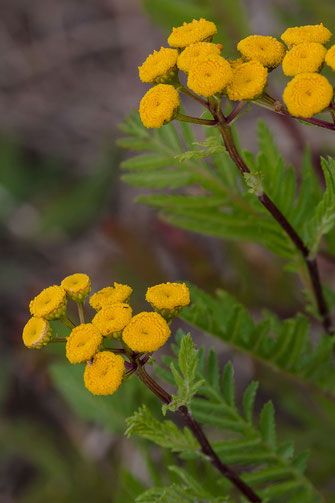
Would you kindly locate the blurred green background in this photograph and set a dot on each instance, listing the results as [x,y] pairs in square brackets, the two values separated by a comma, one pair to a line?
[68,76]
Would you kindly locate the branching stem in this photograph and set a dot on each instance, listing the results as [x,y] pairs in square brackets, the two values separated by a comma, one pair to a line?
[197,431]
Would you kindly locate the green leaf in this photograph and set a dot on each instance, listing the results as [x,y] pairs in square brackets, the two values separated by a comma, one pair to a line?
[147,161]
[267,425]
[249,399]
[228,389]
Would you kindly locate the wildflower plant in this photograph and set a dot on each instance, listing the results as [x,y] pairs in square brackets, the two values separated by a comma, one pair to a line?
[239,197]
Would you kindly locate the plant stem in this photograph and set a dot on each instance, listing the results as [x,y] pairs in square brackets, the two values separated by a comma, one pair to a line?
[240,105]
[277,107]
[311,263]
[195,120]
[59,339]
[195,97]
[81,312]
[67,322]
[197,431]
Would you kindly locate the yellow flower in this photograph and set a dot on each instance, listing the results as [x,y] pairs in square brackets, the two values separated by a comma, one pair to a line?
[160,66]
[146,332]
[307,94]
[159,105]
[249,80]
[77,286]
[330,57]
[168,299]
[310,33]
[194,52]
[210,76]
[304,58]
[36,333]
[267,50]
[110,295]
[112,319]
[190,33]
[104,374]
[49,304]
[235,62]
[82,343]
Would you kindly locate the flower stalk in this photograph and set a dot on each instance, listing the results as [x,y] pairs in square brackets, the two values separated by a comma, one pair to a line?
[198,433]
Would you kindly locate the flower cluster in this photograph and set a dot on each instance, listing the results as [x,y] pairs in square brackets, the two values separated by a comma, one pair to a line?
[87,342]
[302,54]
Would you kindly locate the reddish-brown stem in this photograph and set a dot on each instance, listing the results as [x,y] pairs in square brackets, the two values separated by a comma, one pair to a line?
[311,263]
[197,431]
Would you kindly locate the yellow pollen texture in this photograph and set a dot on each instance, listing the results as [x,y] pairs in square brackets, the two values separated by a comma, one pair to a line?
[249,80]
[309,33]
[83,343]
[210,76]
[158,64]
[113,318]
[190,33]
[146,332]
[110,295]
[330,57]
[267,50]
[304,58]
[77,286]
[168,296]
[307,94]
[49,304]
[104,375]
[36,333]
[158,105]
[194,52]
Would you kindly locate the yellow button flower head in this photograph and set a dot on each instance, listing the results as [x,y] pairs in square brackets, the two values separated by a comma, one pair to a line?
[160,66]
[36,333]
[190,33]
[112,319]
[310,33]
[304,58]
[82,343]
[194,52]
[110,295]
[104,374]
[330,57]
[235,62]
[49,304]
[159,105]
[210,76]
[307,94]
[77,286]
[267,50]
[168,299]
[249,80]
[146,332]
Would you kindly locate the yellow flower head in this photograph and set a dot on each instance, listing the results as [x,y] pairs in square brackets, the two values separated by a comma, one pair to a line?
[112,319]
[160,66]
[210,76]
[249,80]
[110,295]
[330,57]
[194,52]
[159,105]
[235,62]
[146,332]
[168,298]
[310,33]
[267,50]
[36,333]
[307,94]
[49,304]
[190,33]
[77,286]
[82,343]
[304,58]
[103,375]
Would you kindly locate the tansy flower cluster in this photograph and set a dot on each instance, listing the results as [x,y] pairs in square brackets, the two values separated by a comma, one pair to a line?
[301,52]
[93,343]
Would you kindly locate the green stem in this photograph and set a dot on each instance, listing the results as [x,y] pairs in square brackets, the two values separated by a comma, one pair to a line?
[81,312]
[195,120]
[59,339]
[67,322]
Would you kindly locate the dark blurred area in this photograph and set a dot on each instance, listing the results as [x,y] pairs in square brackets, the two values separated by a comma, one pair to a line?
[68,76]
